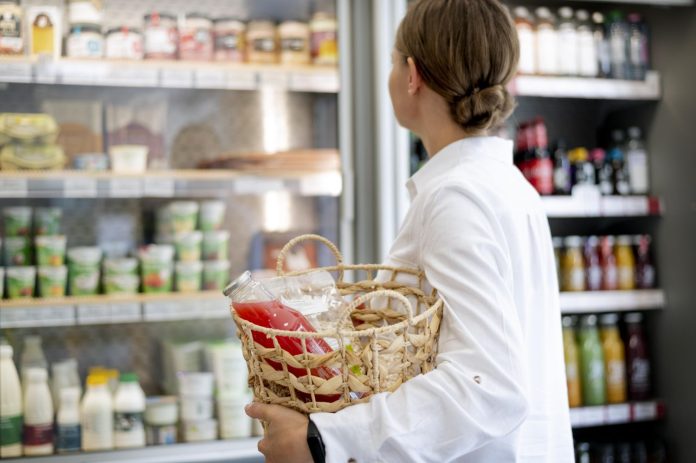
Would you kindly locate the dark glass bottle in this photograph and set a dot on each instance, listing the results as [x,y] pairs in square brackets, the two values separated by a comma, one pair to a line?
[617,159]
[562,182]
[604,172]
[637,359]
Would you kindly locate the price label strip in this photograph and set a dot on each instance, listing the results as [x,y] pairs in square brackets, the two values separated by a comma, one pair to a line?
[157,187]
[13,188]
[125,188]
[90,314]
[80,188]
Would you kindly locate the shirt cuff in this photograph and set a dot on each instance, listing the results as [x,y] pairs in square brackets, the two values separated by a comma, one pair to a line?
[347,434]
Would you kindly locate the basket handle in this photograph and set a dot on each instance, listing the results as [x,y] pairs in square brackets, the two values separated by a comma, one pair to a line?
[372,295]
[309,237]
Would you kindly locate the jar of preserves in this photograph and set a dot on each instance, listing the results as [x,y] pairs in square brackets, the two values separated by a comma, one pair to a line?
[85,12]
[262,42]
[294,43]
[85,41]
[11,30]
[196,38]
[229,40]
[161,36]
[573,265]
[124,43]
[324,38]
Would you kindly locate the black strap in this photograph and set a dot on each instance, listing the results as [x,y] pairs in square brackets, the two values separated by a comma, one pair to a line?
[315,443]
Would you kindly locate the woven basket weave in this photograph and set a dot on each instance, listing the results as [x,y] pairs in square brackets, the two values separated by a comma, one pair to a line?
[393,338]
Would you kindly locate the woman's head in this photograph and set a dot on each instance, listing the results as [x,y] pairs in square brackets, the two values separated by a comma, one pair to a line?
[465,51]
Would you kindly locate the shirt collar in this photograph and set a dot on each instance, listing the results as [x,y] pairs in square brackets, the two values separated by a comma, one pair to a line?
[491,148]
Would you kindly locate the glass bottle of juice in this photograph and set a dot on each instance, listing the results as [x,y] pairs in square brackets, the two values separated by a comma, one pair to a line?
[614,358]
[625,263]
[637,360]
[572,362]
[593,271]
[591,362]
[573,265]
[645,270]
[254,303]
[608,263]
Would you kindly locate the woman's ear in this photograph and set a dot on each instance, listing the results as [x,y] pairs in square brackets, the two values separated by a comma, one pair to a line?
[415,81]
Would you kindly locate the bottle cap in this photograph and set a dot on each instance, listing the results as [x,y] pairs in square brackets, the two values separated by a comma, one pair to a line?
[97,379]
[572,241]
[609,319]
[597,17]
[592,241]
[557,242]
[129,378]
[242,280]
[566,12]
[589,320]
[582,15]
[635,133]
[521,12]
[633,317]
[624,240]
[598,155]
[569,322]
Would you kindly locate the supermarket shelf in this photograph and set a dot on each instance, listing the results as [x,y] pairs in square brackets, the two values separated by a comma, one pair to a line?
[99,310]
[237,451]
[165,184]
[605,415]
[168,74]
[595,205]
[611,301]
[588,88]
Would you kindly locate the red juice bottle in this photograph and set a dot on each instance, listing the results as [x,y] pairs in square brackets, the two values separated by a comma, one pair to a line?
[540,166]
[255,304]
[637,360]
[645,270]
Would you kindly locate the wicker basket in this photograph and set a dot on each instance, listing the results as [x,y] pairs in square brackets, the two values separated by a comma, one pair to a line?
[391,339]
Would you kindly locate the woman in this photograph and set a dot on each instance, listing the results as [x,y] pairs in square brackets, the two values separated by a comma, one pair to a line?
[479,232]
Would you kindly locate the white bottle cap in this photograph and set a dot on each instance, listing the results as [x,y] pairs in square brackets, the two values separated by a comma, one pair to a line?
[6,351]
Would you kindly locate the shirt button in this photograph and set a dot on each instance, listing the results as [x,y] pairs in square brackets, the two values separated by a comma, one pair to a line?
[477,379]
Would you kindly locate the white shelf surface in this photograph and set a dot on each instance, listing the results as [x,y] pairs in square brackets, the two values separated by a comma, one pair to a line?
[240,450]
[168,74]
[605,415]
[104,310]
[592,204]
[611,301]
[165,184]
[588,88]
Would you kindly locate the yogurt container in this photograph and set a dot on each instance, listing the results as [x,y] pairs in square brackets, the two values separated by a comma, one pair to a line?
[157,268]
[17,221]
[216,274]
[216,245]
[196,408]
[83,270]
[21,282]
[198,431]
[196,384]
[211,215]
[188,276]
[52,281]
[161,410]
[17,251]
[120,266]
[184,215]
[121,284]
[47,220]
[50,249]
[189,246]
[234,422]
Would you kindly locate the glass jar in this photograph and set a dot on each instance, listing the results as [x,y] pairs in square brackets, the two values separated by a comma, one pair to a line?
[324,38]
[85,12]
[294,43]
[85,41]
[262,42]
[567,42]
[196,38]
[124,43]
[11,32]
[524,23]
[230,40]
[161,36]
[547,42]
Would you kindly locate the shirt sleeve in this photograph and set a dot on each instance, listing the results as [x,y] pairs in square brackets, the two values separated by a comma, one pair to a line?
[477,393]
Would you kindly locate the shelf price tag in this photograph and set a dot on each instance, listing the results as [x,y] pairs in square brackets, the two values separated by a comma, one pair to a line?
[593,416]
[240,79]
[256,185]
[273,78]
[644,411]
[164,310]
[124,312]
[210,78]
[13,188]
[88,314]
[176,78]
[326,184]
[16,318]
[619,413]
[314,82]
[80,188]
[157,187]
[131,76]
[218,308]
[15,71]
[125,188]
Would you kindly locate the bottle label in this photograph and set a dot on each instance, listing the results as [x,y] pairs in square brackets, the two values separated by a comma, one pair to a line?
[68,438]
[10,430]
[594,278]
[640,375]
[128,422]
[39,434]
[616,373]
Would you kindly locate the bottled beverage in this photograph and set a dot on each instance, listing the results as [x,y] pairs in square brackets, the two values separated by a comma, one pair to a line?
[637,44]
[540,168]
[610,278]
[614,359]
[568,43]
[618,43]
[593,269]
[588,61]
[623,453]
[129,409]
[10,405]
[582,170]
[637,162]
[604,172]
[601,42]
[96,415]
[573,265]
[524,148]
[38,414]
[637,361]
[645,270]
[592,362]
[582,453]
[622,184]
[606,453]
[527,38]
[68,421]
[572,362]
[32,354]
[562,182]
[547,42]
[557,251]
[640,452]
[64,375]
[625,263]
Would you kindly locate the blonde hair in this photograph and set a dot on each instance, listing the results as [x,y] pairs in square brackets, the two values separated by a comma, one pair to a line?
[467,52]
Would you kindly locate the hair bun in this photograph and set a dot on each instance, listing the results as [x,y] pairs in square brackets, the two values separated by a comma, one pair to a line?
[482,109]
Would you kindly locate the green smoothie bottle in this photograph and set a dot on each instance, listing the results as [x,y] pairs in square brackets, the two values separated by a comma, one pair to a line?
[594,390]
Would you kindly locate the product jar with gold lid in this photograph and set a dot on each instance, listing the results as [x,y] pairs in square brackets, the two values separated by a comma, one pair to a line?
[294,43]
[262,42]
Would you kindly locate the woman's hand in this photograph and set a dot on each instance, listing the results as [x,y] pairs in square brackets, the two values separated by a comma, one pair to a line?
[286,433]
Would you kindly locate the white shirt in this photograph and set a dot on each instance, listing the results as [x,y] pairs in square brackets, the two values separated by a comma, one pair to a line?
[478,230]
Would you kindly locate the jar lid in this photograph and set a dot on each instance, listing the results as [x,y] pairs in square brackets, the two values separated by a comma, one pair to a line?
[242,280]
[97,379]
[569,321]
[589,320]
[573,241]
[223,19]
[80,28]
[609,319]
[149,16]
[197,16]
[125,29]
[129,378]
[566,12]
[633,317]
